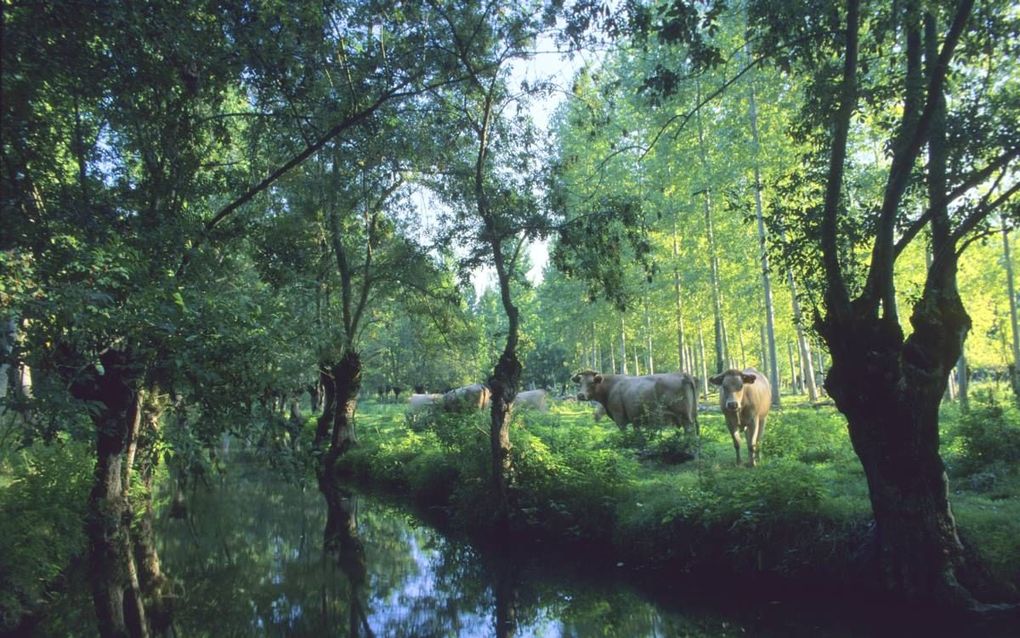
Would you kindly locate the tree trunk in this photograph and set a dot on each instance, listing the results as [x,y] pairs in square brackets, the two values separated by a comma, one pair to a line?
[8,331]
[721,363]
[503,384]
[683,362]
[770,315]
[704,365]
[623,344]
[890,394]
[793,369]
[801,383]
[1007,261]
[803,346]
[648,337]
[963,381]
[346,376]
[150,576]
[325,421]
[116,593]
[612,356]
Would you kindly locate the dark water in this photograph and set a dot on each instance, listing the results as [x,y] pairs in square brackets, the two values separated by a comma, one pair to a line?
[250,561]
[260,556]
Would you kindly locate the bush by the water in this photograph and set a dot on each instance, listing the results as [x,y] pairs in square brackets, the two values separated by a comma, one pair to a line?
[43,493]
[805,508]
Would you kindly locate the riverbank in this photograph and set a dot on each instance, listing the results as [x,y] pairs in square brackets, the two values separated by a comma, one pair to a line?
[799,525]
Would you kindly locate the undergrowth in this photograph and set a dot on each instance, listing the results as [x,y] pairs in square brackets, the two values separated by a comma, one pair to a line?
[804,509]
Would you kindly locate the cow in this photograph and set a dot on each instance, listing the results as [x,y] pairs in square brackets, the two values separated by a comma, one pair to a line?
[418,402]
[745,398]
[533,399]
[671,397]
[466,399]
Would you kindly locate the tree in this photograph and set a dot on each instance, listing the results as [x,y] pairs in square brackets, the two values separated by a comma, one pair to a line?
[889,385]
[492,179]
[133,138]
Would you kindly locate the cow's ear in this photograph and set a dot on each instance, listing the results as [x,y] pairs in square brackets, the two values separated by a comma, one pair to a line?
[717,379]
[597,378]
[748,378]
[576,378]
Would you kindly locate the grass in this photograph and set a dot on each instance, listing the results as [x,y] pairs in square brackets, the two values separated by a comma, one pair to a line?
[804,511]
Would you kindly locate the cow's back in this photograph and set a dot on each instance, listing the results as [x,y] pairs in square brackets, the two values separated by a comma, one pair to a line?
[418,401]
[535,399]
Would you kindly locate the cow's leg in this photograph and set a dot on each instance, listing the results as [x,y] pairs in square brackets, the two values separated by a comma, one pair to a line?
[753,430]
[757,439]
[735,433]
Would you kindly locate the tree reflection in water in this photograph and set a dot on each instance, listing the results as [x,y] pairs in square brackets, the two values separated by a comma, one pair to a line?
[248,561]
[341,545]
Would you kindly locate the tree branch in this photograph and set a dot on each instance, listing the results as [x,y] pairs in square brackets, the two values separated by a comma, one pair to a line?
[879,278]
[973,180]
[837,296]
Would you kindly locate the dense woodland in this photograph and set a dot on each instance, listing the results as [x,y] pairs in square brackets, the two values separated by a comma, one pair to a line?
[273,222]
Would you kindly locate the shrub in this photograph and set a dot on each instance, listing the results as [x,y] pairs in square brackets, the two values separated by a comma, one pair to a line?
[673,448]
[809,435]
[989,433]
[42,514]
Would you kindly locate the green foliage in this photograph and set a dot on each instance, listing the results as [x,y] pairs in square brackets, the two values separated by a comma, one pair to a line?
[807,435]
[988,440]
[42,510]
[804,508]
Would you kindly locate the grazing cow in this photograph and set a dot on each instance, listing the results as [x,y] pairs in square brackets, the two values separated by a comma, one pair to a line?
[418,402]
[670,397]
[532,399]
[466,399]
[745,398]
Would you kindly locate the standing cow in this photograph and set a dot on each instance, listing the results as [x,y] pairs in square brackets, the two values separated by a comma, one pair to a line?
[745,398]
[532,399]
[671,397]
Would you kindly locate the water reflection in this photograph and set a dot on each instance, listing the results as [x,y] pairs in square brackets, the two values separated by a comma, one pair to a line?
[258,556]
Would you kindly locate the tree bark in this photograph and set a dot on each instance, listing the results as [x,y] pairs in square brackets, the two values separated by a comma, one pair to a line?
[1007,261]
[648,337]
[704,365]
[623,344]
[963,381]
[794,385]
[721,362]
[346,378]
[683,363]
[504,384]
[770,315]
[151,579]
[116,593]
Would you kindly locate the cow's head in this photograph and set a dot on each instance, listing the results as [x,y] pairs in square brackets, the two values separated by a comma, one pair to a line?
[589,380]
[731,386]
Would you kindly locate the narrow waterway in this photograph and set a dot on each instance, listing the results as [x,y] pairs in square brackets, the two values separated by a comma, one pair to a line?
[257,555]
